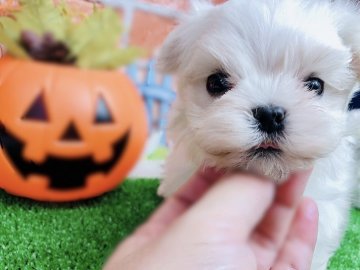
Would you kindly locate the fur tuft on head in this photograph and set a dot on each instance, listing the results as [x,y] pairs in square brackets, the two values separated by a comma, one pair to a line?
[348,16]
[176,49]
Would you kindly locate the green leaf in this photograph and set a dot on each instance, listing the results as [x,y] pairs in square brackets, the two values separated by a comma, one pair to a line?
[6,38]
[101,28]
[40,16]
[105,59]
[10,27]
[93,42]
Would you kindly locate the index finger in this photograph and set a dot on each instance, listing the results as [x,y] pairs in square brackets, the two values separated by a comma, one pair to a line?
[230,210]
[173,207]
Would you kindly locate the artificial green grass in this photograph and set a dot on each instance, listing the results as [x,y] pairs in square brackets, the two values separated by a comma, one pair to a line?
[70,236]
[73,236]
[348,256]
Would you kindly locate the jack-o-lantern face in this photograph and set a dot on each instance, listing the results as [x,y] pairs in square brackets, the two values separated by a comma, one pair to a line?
[66,133]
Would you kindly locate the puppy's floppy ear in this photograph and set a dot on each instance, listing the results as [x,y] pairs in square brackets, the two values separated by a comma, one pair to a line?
[177,47]
[351,38]
[349,29]
[173,49]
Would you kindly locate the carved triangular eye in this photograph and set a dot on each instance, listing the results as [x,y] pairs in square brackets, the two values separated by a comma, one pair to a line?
[103,114]
[37,110]
[71,134]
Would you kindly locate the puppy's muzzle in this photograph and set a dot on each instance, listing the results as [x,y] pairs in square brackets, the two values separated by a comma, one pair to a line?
[270,119]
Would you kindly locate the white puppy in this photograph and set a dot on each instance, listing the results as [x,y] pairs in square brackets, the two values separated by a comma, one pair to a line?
[263,85]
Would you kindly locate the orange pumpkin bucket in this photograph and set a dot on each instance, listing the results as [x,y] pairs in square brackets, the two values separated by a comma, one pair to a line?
[66,133]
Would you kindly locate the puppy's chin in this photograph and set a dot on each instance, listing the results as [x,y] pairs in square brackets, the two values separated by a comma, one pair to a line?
[276,168]
[271,163]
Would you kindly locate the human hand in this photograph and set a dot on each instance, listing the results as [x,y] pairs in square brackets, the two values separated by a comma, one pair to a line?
[216,221]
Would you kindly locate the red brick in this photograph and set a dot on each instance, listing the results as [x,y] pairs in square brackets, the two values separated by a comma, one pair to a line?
[149,30]
[178,4]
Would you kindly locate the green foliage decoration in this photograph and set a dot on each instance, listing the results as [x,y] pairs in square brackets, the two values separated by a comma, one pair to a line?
[91,41]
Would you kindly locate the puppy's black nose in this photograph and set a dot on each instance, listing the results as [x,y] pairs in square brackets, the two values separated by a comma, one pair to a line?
[270,118]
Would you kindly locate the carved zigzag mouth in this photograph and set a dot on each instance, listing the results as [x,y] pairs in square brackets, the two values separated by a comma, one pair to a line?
[63,173]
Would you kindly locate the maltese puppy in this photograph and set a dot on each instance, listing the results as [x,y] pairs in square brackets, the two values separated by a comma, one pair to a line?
[264,85]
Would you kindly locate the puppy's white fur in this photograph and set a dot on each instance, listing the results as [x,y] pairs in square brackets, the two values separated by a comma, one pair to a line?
[268,48]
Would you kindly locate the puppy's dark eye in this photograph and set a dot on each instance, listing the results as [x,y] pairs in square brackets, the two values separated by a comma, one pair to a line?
[218,84]
[315,84]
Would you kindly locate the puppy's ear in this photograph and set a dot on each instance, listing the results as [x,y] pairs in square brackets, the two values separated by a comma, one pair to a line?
[351,38]
[349,29]
[173,49]
[177,47]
